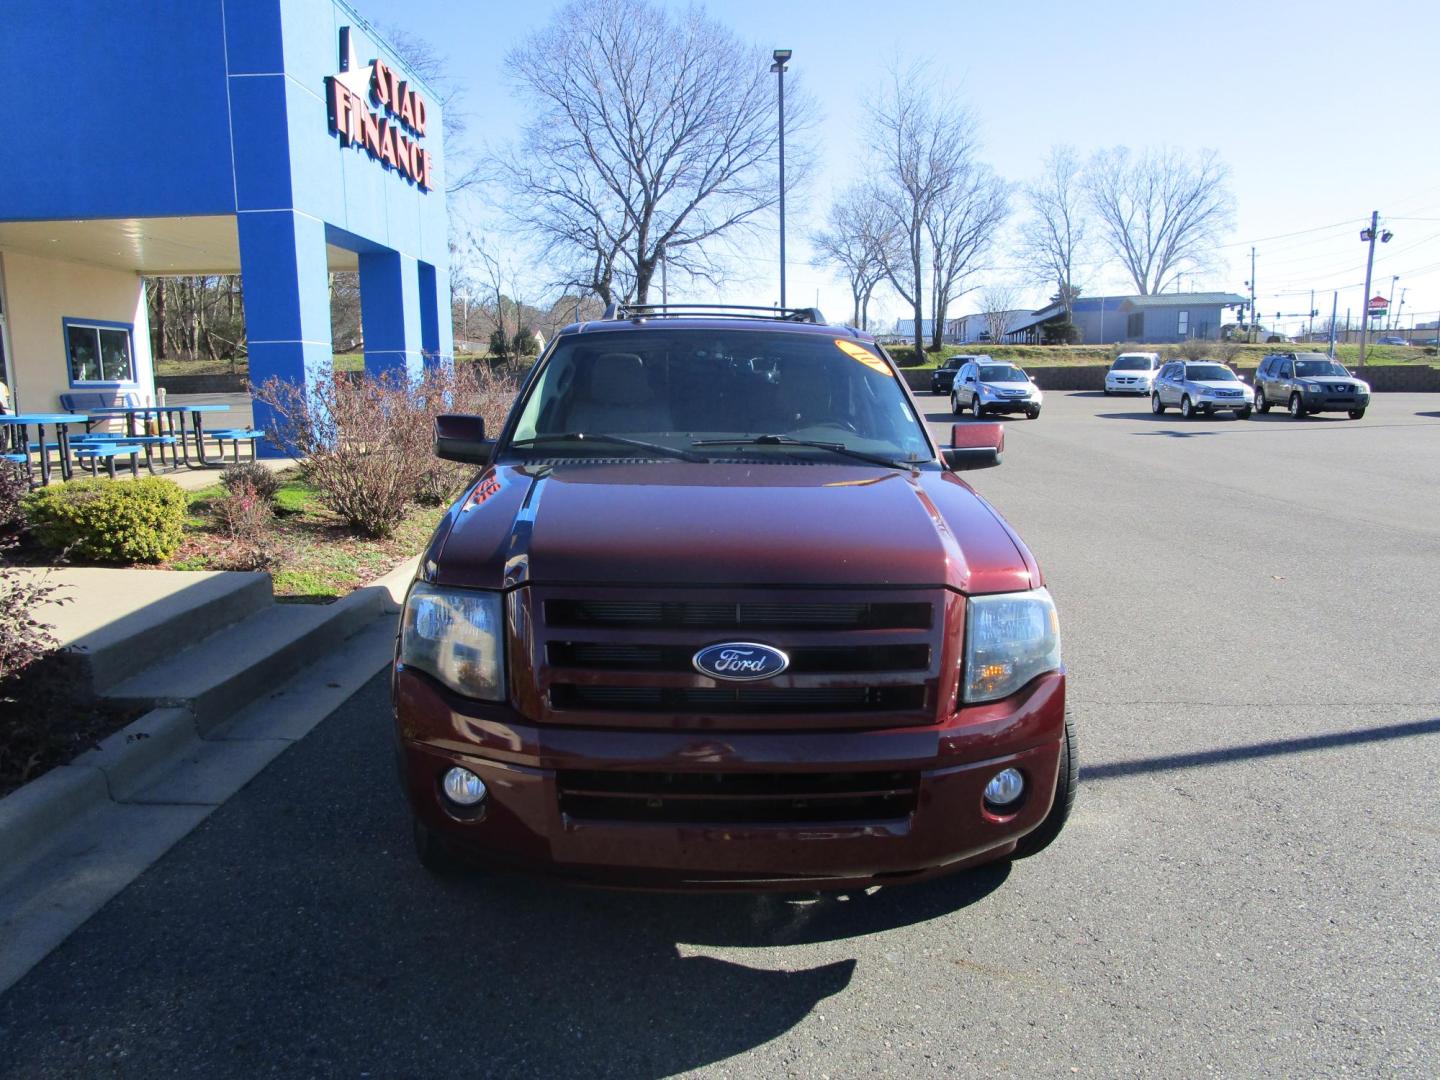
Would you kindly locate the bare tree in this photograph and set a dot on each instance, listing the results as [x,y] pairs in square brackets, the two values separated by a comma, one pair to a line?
[941,203]
[997,301]
[961,226]
[652,133]
[854,239]
[1160,213]
[461,171]
[1053,241]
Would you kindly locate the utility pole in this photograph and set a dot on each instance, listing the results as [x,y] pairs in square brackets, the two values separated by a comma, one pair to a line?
[1310,336]
[1390,300]
[1400,309]
[1250,337]
[1369,235]
[1334,309]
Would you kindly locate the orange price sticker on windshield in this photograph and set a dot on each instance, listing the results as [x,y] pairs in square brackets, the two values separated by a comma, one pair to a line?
[856,351]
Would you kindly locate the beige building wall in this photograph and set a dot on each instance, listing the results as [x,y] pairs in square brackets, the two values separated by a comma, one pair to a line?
[39,295]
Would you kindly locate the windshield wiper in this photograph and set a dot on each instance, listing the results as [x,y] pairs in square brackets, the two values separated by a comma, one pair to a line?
[785,440]
[618,440]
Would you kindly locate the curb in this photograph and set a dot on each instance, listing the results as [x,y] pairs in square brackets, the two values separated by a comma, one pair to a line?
[162,737]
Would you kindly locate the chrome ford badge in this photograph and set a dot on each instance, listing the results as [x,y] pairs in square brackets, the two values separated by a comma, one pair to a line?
[740,661]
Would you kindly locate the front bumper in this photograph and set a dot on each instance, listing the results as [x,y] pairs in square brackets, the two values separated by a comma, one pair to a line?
[942,386]
[524,827]
[1010,405]
[1332,402]
[1240,404]
[1128,386]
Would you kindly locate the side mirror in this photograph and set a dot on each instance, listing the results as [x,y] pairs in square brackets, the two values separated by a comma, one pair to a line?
[461,437]
[974,446]
[969,378]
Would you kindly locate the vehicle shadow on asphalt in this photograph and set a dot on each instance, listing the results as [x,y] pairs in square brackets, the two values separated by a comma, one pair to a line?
[1228,754]
[294,933]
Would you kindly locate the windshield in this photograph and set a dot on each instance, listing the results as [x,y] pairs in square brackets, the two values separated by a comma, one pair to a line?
[1131,363]
[953,364]
[1209,373]
[678,387]
[1311,368]
[1001,373]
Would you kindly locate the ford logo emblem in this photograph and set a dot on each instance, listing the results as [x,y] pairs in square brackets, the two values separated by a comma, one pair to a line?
[740,661]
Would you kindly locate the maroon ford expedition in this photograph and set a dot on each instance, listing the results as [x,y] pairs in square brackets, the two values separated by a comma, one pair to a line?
[717,613]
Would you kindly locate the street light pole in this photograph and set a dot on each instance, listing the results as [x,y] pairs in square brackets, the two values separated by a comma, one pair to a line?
[782,57]
[1370,236]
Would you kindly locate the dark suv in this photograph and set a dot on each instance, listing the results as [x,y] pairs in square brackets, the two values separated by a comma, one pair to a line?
[1306,383]
[942,379]
[718,613]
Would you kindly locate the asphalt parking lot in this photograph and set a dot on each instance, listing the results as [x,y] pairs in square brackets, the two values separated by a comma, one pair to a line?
[1251,613]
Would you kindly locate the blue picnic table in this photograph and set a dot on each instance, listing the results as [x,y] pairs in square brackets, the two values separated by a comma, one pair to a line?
[168,412]
[19,437]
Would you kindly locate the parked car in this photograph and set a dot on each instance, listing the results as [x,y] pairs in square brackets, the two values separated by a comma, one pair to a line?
[943,377]
[759,637]
[1306,383]
[1199,386]
[993,386]
[1132,373]
[1391,339]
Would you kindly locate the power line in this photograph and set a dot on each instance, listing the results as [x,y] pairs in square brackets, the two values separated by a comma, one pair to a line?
[1297,232]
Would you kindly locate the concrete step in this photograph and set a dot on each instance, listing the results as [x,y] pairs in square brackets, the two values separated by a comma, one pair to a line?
[222,674]
[161,609]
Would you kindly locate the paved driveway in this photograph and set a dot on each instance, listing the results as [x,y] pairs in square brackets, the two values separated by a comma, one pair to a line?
[1249,885]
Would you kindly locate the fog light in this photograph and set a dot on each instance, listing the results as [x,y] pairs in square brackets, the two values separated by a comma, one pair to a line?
[464,788]
[1004,787]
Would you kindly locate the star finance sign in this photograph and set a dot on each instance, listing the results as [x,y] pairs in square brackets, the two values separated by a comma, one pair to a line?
[376,110]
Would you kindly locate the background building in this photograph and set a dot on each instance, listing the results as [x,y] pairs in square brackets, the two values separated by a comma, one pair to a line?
[1156,319]
[280,139]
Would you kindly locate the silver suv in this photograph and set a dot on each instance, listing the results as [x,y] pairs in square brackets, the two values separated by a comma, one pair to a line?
[1199,386]
[994,386]
[1308,383]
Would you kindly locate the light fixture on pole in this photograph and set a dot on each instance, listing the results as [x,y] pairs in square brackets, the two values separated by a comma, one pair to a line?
[782,58]
[1369,236]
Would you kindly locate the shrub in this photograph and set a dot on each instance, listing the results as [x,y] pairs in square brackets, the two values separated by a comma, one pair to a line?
[28,683]
[251,474]
[14,486]
[109,521]
[244,514]
[367,444]
[525,343]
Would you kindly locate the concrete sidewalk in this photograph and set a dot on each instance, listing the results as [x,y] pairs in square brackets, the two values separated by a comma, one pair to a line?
[230,679]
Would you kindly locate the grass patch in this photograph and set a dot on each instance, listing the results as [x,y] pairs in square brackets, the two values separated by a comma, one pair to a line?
[347,361]
[315,557]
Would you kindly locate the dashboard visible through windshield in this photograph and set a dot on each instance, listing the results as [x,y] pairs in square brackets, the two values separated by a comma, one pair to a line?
[718,392]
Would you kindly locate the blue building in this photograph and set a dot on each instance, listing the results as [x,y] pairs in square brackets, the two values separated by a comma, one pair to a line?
[280,139]
[1160,318]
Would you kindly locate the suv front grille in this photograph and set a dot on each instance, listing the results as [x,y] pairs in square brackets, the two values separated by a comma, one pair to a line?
[737,798]
[622,658]
[735,616]
[736,699]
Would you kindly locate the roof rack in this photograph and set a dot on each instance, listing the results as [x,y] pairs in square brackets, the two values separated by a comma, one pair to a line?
[729,311]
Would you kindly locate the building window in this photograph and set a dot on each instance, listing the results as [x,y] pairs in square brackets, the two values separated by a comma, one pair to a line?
[1135,327]
[99,352]
[1183,326]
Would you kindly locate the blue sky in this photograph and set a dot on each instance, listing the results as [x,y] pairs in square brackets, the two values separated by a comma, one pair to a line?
[1321,118]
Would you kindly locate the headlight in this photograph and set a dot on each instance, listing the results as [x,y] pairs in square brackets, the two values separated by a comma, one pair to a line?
[1009,639]
[1362,387]
[455,635]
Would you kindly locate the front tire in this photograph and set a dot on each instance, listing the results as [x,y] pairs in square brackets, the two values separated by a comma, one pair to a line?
[1261,405]
[1033,414]
[1156,405]
[1187,408]
[1066,785]
[976,409]
[954,403]
[1243,414]
[1297,407]
[1356,414]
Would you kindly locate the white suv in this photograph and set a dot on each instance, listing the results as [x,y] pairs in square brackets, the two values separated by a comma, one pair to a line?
[1132,373]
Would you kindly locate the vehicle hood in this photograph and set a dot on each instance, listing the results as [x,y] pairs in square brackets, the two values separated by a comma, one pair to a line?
[993,385]
[681,523]
[1123,373]
[1347,381]
[1217,384]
